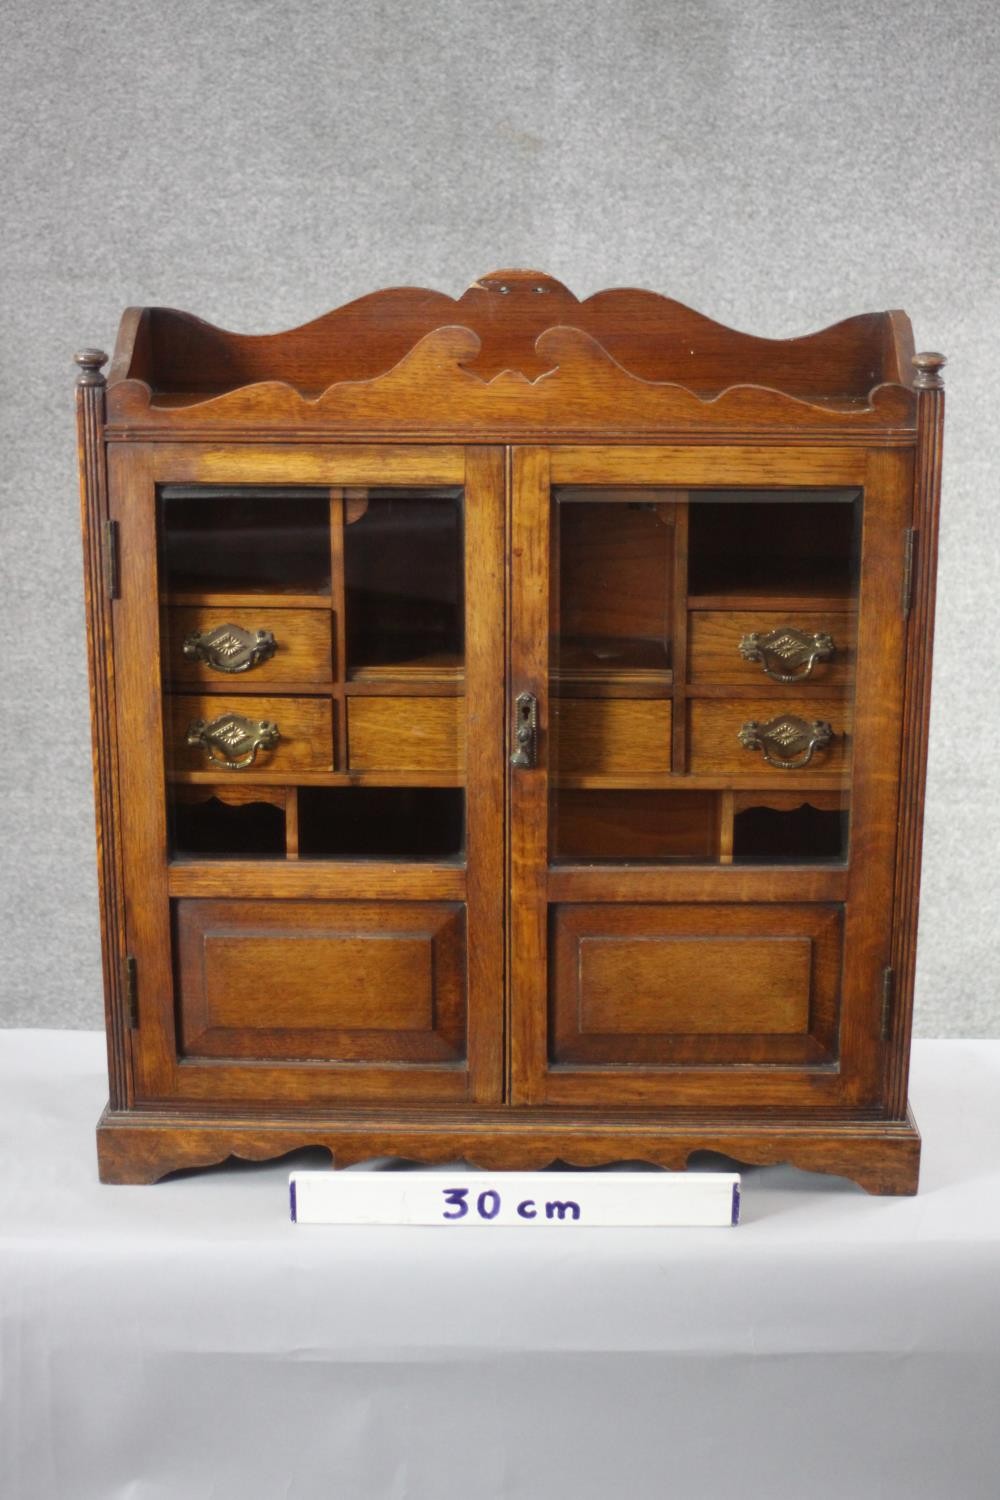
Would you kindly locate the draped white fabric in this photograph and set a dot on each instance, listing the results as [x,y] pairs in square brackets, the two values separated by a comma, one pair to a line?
[186,1340]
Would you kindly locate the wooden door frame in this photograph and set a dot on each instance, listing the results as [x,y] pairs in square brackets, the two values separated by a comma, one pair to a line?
[159,1076]
[864,887]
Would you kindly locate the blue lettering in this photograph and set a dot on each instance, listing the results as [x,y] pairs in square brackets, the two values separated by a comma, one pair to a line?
[557,1210]
[527,1209]
[456,1197]
[488,1204]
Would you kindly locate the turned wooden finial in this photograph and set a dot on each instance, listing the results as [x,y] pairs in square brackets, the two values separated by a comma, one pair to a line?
[928,367]
[90,362]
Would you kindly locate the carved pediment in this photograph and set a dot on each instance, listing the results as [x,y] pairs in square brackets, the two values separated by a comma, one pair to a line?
[517,352]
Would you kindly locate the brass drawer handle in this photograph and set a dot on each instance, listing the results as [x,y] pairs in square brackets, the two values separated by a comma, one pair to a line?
[787,654]
[231,740]
[230,648]
[786,742]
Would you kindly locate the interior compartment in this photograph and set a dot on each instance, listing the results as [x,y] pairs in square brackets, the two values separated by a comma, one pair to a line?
[404,573]
[803,833]
[392,822]
[205,826]
[244,539]
[590,826]
[766,542]
[610,736]
[613,575]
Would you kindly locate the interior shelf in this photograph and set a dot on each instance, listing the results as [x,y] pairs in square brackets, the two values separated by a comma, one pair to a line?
[636,826]
[248,686]
[736,691]
[323,778]
[602,656]
[806,595]
[293,822]
[424,664]
[675,781]
[244,599]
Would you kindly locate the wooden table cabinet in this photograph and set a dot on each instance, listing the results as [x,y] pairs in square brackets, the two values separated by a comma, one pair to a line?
[510,726]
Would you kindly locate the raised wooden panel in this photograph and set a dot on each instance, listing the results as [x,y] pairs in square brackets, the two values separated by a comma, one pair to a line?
[303,651]
[336,981]
[610,736]
[714,638]
[698,985]
[715,725]
[305,727]
[660,986]
[383,983]
[406,734]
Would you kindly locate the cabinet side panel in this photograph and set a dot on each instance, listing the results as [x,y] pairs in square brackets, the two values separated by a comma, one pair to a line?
[916,715]
[98,569]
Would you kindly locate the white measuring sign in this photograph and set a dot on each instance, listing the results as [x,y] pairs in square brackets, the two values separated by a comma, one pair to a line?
[517,1200]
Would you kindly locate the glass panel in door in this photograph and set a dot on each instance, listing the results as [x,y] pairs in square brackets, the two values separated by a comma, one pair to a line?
[314,654]
[701,675]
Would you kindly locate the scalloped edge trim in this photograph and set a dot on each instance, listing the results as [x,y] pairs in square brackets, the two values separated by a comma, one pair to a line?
[133,395]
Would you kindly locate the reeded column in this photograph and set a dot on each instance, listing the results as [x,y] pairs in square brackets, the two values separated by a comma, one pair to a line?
[98,568]
[929,385]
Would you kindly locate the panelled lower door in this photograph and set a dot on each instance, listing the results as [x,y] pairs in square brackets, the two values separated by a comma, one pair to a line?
[309,668]
[706,670]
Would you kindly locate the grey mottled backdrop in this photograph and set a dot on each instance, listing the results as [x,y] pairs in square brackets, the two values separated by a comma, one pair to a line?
[775,163]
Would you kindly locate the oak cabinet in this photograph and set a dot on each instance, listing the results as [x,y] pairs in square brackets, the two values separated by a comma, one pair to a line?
[510,724]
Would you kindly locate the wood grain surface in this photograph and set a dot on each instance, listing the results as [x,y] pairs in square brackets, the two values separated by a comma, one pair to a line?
[597,976]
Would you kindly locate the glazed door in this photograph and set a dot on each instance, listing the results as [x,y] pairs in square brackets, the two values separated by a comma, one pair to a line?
[309,656]
[705,690]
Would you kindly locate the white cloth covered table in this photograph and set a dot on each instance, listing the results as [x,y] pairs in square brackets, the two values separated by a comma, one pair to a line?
[187,1342]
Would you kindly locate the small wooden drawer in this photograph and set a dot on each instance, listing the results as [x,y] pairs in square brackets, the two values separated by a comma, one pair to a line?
[715,636]
[302,650]
[611,736]
[715,725]
[304,740]
[406,734]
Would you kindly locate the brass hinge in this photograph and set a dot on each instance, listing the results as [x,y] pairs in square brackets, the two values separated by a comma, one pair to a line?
[888,997]
[131,993]
[111,580]
[909,543]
